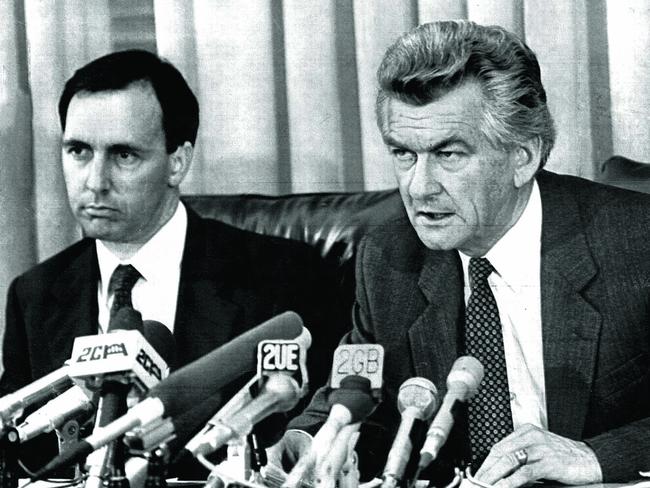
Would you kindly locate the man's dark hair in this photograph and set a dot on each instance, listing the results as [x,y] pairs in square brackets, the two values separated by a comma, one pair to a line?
[116,71]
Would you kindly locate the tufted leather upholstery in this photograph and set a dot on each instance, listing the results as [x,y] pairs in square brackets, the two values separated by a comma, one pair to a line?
[332,222]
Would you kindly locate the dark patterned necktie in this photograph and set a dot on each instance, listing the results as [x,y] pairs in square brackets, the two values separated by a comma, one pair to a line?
[489,415]
[122,282]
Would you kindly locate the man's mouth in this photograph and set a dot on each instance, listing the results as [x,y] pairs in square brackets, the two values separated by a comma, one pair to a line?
[98,211]
[432,217]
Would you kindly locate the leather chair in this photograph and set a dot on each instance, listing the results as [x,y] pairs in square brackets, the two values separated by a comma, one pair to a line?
[332,222]
[626,173]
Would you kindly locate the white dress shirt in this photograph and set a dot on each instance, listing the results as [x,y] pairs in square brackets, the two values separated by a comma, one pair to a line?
[516,258]
[155,295]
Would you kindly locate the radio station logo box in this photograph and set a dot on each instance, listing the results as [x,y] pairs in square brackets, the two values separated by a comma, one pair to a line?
[285,356]
[124,351]
[365,360]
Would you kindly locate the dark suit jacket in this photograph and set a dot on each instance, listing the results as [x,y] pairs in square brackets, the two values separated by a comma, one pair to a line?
[231,280]
[595,279]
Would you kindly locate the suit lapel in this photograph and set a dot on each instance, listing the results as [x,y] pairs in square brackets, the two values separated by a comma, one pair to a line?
[205,314]
[74,307]
[570,324]
[434,334]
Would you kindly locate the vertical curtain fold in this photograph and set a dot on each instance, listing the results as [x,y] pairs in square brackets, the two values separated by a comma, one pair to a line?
[237,94]
[506,13]
[629,44]
[320,127]
[17,245]
[557,32]
[174,20]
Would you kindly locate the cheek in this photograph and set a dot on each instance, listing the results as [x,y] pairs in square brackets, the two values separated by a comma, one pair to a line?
[489,200]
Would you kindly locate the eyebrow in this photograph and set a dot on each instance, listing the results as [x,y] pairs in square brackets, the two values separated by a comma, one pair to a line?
[388,140]
[74,142]
[113,148]
[117,148]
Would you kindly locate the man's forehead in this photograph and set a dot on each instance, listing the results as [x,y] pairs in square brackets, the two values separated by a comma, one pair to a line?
[427,130]
[132,112]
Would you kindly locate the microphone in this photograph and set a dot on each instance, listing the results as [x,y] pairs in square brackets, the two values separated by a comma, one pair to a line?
[13,405]
[72,403]
[114,383]
[188,386]
[462,384]
[356,379]
[417,400]
[281,381]
[144,350]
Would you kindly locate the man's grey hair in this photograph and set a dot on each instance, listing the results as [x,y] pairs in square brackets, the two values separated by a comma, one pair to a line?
[433,59]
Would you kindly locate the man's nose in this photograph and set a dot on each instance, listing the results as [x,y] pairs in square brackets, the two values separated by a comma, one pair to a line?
[426,180]
[98,178]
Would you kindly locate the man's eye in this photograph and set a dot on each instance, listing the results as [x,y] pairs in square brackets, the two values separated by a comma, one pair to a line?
[125,157]
[449,156]
[403,155]
[78,152]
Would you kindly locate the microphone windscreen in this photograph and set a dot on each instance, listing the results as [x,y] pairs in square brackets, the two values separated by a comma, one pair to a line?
[126,318]
[197,381]
[356,395]
[162,340]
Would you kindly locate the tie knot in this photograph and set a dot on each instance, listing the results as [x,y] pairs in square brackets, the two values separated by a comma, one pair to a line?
[479,270]
[123,279]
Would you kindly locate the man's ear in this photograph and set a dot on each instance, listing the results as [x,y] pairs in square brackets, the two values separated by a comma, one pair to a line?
[527,158]
[179,164]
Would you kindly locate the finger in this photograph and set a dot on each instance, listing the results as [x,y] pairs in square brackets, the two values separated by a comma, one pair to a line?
[520,477]
[332,464]
[351,457]
[522,438]
[302,471]
[505,464]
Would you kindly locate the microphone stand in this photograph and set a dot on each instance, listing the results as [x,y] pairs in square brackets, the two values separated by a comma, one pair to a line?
[110,472]
[9,460]
[157,468]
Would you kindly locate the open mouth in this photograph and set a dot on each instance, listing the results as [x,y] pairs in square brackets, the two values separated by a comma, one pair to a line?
[434,216]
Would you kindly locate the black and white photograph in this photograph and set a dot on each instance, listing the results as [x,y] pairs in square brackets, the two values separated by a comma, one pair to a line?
[324,243]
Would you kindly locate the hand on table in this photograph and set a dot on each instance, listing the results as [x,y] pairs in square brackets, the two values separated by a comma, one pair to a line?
[531,453]
[316,464]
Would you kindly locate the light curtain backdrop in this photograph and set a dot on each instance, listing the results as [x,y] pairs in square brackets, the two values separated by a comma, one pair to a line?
[287,90]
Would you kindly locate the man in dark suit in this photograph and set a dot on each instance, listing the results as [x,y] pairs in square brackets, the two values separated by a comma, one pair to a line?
[542,277]
[129,125]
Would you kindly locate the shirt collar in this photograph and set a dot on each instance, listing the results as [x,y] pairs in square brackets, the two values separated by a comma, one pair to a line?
[162,252]
[516,256]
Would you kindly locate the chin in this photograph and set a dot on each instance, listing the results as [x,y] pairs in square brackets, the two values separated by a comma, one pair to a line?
[438,242]
[102,234]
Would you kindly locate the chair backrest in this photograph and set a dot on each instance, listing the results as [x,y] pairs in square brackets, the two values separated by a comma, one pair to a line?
[332,222]
[626,173]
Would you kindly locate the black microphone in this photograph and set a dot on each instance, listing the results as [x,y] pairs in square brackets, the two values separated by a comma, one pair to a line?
[355,382]
[462,384]
[188,386]
[417,400]
[113,390]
